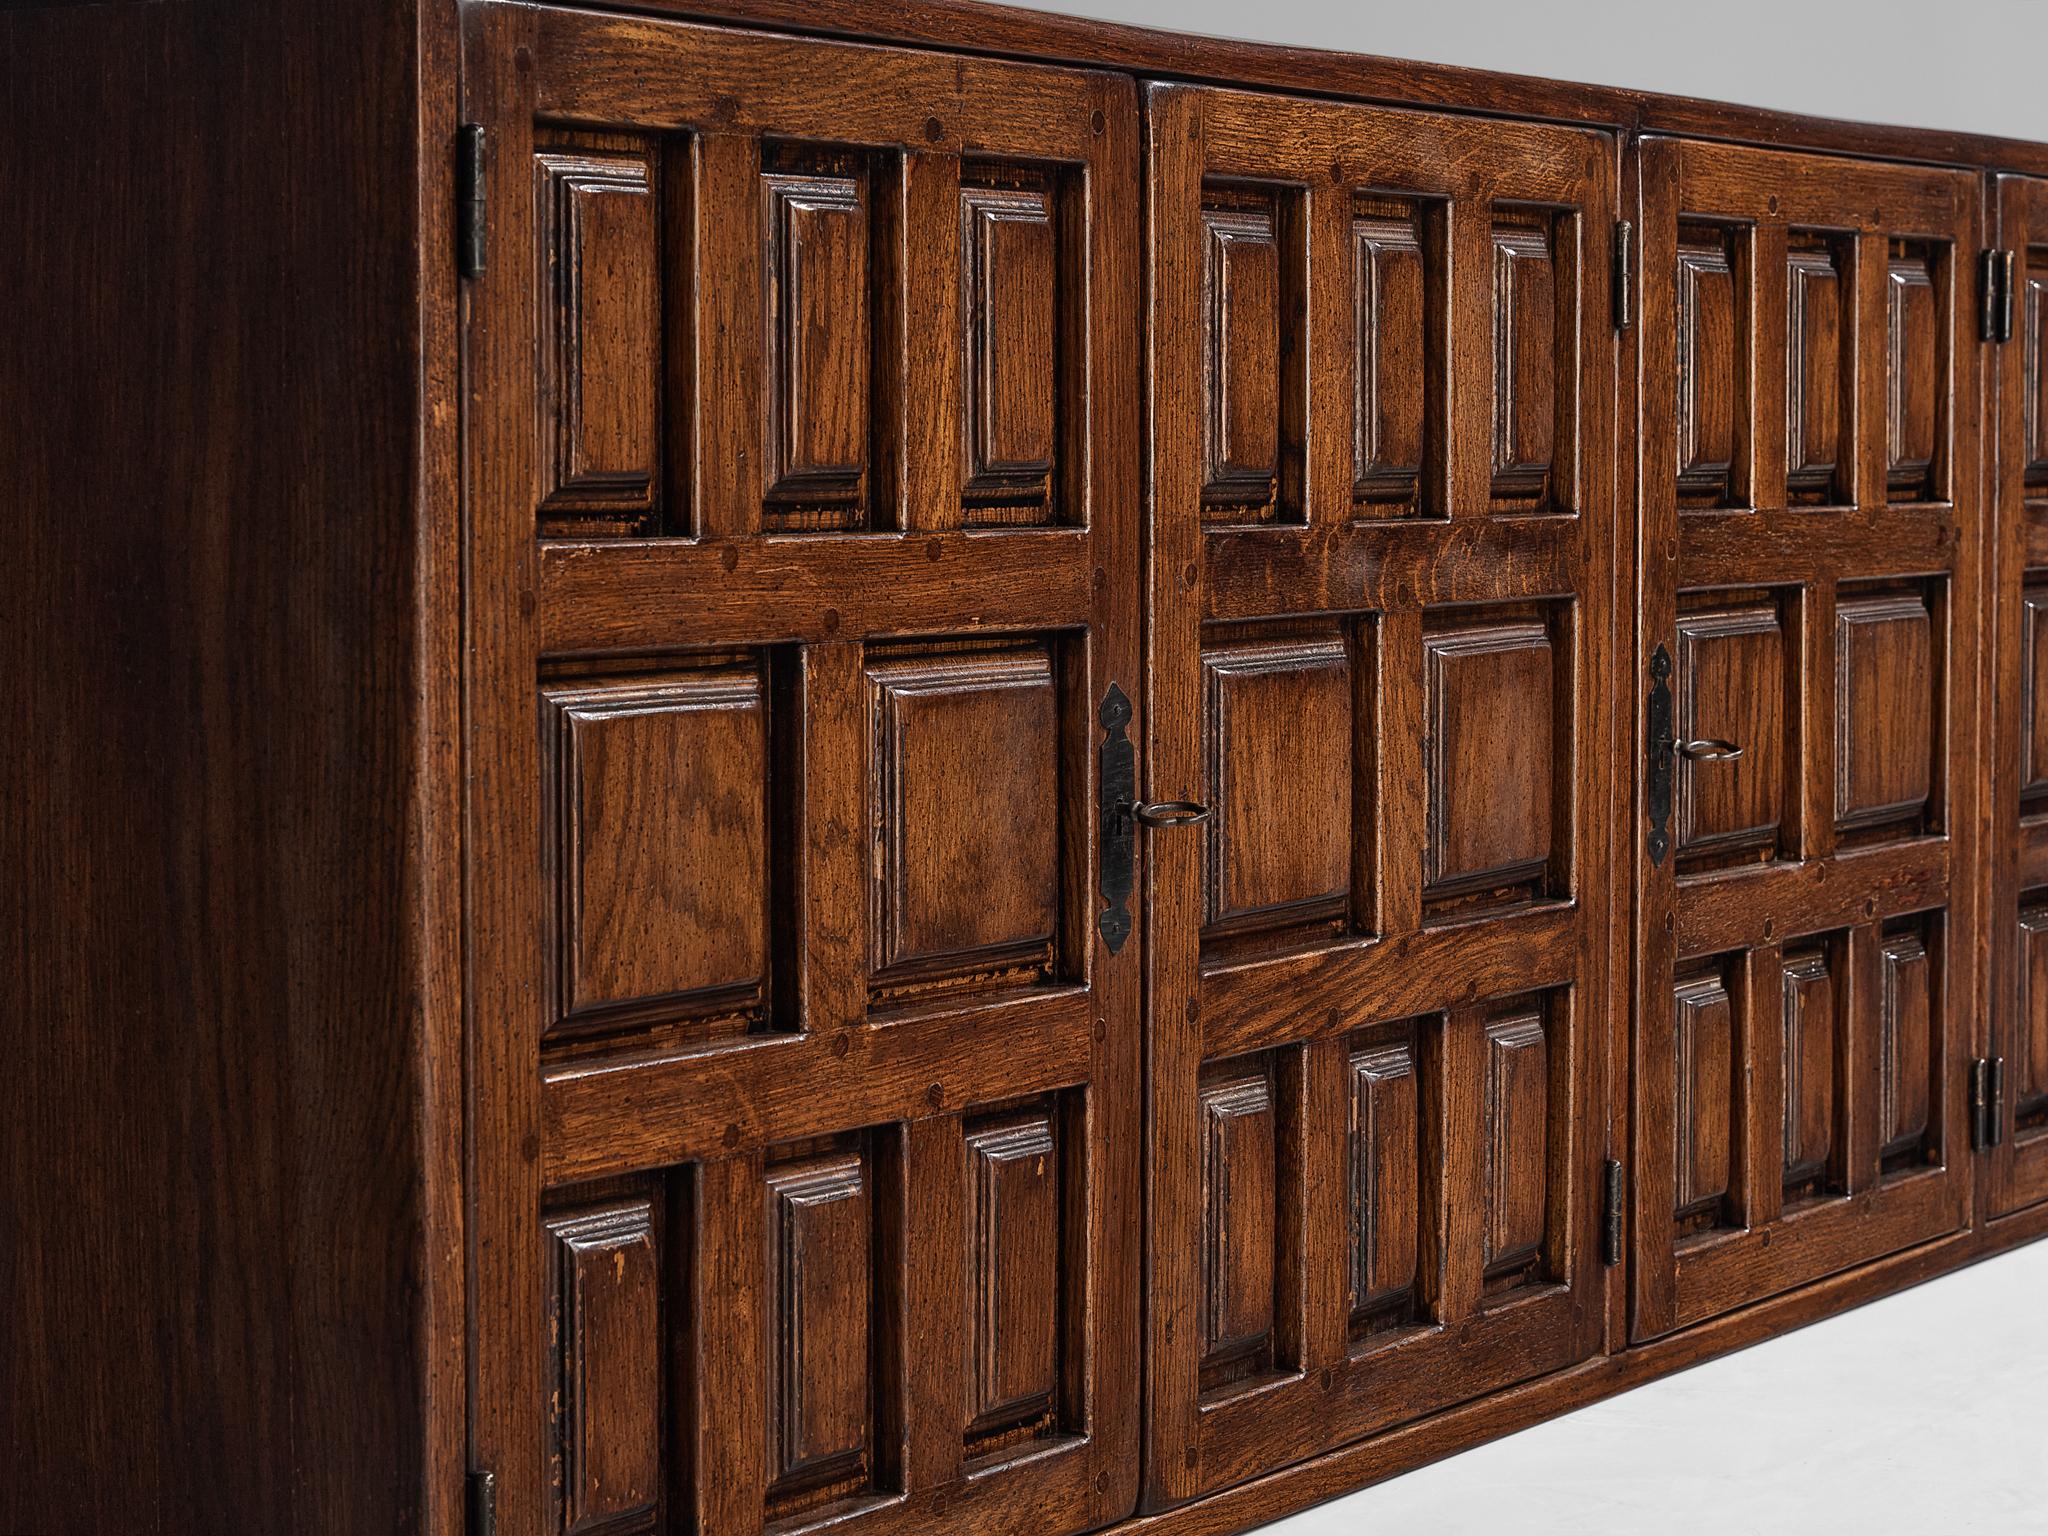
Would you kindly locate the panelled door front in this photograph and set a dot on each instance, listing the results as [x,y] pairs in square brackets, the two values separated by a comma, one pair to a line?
[803,549]
[1379,654]
[2016,1092]
[1810,569]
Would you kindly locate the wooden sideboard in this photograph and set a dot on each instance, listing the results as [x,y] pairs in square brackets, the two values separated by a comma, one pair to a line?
[912,769]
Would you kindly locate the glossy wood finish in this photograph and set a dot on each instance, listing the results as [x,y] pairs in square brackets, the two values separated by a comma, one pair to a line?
[609,790]
[803,967]
[1379,650]
[2016,389]
[1804,971]
[231,1289]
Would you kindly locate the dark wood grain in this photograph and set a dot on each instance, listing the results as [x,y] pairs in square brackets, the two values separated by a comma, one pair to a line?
[559,844]
[2015,1174]
[1826,697]
[1013,31]
[818,794]
[1378,651]
[233,953]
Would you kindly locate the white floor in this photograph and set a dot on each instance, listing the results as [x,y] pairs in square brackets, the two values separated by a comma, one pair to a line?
[1923,1415]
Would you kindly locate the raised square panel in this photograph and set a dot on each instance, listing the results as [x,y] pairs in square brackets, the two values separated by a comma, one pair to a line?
[1008,271]
[1884,703]
[1905,1043]
[1280,777]
[966,798]
[601,347]
[1390,315]
[1014,1188]
[661,843]
[1703,1041]
[1913,375]
[1489,753]
[1711,378]
[2033,680]
[1386,1189]
[2029,1048]
[820,1223]
[1525,334]
[1813,369]
[1239,1172]
[818,348]
[1241,283]
[1731,693]
[1809,1020]
[1517,1131]
[605,1274]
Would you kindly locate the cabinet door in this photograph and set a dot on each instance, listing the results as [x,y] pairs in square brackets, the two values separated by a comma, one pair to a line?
[1807,826]
[1380,633]
[2017,1091]
[802,541]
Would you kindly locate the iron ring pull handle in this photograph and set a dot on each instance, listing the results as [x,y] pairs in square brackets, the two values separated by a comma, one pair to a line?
[1171,813]
[1708,749]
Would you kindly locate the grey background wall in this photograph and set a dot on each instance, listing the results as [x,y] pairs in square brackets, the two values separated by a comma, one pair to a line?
[1983,69]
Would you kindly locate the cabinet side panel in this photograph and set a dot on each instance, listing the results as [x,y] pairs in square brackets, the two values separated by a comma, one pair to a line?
[217,907]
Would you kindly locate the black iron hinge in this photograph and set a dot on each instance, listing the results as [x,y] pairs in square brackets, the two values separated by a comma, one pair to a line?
[1994,295]
[483,1504]
[1610,1214]
[1624,273]
[469,200]
[1987,1102]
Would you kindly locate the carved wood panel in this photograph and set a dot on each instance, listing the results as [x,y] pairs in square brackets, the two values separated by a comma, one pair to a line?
[1491,700]
[1015,1221]
[820,1223]
[2016,1168]
[1281,736]
[1731,687]
[1810,1012]
[816,225]
[1243,280]
[601,371]
[1387,1179]
[1703,1032]
[604,1268]
[1380,562]
[1814,360]
[1394,304]
[803,548]
[1240,1167]
[661,835]
[1811,556]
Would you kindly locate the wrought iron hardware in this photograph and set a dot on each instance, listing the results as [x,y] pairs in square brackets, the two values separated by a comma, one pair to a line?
[1624,273]
[469,200]
[1708,749]
[1170,813]
[1987,1102]
[1118,791]
[483,1504]
[1122,814]
[1610,1216]
[1658,770]
[1994,296]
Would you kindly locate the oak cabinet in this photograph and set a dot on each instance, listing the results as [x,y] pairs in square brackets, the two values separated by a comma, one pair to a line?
[831,565]
[1376,973]
[2015,1081]
[1803,1026]
[885,773]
